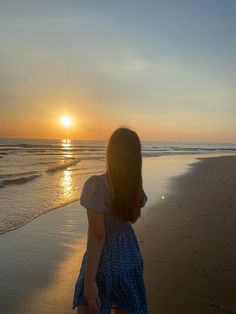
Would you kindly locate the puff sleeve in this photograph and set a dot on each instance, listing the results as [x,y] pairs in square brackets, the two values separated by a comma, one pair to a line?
[93,194]
[144,200]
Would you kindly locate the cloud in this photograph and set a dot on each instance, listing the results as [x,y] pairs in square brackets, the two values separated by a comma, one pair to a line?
[127,66]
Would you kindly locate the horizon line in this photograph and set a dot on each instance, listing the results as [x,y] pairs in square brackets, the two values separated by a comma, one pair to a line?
[103,140]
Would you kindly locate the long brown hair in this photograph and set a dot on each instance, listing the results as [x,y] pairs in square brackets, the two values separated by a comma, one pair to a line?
[124,167]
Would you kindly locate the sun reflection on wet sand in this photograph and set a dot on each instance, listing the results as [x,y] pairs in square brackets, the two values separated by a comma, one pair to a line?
[61,288]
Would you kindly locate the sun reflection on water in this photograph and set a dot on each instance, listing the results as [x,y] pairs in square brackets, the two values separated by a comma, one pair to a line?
[66,184]
[66,179]
[66,148]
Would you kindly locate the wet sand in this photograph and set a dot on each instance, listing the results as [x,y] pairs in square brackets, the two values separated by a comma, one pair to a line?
[189,242]
[40,261]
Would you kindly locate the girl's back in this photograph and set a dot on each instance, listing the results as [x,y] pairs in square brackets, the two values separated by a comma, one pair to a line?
[111,273]
[120,251]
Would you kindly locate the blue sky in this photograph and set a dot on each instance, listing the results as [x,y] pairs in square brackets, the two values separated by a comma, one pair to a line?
[165,68]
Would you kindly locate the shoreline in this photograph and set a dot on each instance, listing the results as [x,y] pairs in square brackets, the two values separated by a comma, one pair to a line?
[193,156]
[29,221]
[188,242]
[43,257]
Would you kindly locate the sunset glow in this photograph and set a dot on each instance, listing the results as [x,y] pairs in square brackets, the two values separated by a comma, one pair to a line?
[66,121]
[154,72]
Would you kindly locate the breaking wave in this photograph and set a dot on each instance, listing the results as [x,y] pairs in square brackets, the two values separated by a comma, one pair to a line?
[20,180]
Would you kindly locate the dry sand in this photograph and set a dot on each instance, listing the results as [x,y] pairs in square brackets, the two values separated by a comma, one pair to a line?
[189,242]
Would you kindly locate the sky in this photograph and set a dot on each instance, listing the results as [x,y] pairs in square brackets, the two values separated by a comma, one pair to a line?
[165,68]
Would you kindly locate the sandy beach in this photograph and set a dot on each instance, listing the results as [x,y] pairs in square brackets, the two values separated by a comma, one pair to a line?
[188,242]
[187,238]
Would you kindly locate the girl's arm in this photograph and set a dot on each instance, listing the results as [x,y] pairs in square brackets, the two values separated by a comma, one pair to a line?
[95,241]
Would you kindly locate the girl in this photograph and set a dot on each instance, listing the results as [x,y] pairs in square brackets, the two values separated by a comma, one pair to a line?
[111,273]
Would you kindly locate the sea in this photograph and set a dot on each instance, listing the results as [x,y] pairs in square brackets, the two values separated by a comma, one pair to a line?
[37,176]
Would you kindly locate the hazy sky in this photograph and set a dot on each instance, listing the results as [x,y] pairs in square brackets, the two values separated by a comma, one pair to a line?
[164,68]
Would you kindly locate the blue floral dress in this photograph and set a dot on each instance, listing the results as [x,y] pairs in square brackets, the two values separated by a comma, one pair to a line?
[120,271]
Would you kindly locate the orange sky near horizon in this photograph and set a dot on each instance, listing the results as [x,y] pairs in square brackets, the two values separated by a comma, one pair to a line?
[100,128]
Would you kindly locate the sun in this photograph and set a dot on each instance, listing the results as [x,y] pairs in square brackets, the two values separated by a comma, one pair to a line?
[66,121]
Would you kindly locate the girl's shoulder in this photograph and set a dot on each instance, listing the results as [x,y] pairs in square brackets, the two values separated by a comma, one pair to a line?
[95,193]
[97,183]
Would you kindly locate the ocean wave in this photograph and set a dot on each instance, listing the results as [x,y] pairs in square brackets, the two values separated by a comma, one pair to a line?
[19,224]
[18,174]
[173,153]
[6,154]
[63,165]
[221,149]
[20,180]
[56,146]
[24,177]
[92,157]
[63,150]
[148,154]
[35,145]
[5,151]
